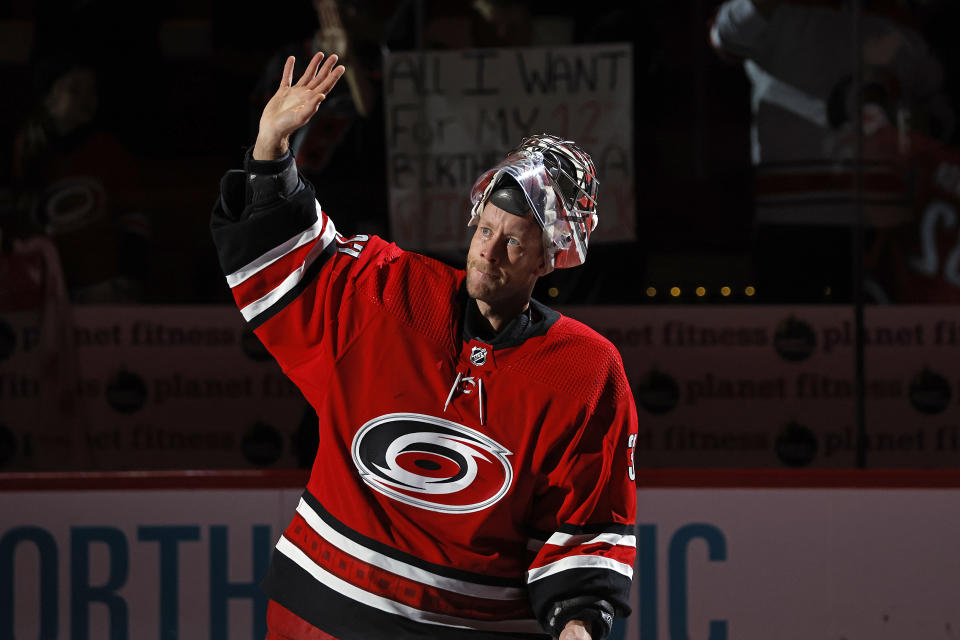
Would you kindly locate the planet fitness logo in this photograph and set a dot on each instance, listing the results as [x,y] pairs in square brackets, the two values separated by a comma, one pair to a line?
[794,340]
[796,446]
[657,392]
[929,392]
[431,463]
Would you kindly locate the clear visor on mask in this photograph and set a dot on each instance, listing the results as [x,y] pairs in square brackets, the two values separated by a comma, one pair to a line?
[562,222]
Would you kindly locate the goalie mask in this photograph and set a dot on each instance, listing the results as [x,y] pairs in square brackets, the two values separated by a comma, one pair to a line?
[556,180]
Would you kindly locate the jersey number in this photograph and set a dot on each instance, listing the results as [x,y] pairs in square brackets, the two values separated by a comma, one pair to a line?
[351,246]
[631,447]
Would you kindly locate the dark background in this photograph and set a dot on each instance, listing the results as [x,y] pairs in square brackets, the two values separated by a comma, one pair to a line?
[176,81]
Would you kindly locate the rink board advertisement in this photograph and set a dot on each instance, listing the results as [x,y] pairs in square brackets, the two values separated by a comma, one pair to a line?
[794,564]
[772,386]
[150,565]
[713,563]
[138,387]
[738,386]
[451,115]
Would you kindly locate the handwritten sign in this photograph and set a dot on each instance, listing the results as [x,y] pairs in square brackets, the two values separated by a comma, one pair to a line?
[451,115]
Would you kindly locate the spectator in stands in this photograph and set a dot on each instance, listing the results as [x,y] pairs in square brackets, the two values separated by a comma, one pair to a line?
[799,57]
[349,132]
[74,182]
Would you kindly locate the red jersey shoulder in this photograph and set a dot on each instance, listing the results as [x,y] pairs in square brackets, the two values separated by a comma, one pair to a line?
[419,292]
[573,358]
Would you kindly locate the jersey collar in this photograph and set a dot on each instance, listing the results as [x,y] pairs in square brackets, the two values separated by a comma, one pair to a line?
[536,321]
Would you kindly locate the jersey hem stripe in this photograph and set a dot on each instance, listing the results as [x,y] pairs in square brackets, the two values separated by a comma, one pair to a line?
[398,567]
[387,605]
[406,558]
[348,619]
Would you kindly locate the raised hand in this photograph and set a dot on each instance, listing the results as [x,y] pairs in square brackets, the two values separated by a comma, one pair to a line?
[293,105]
[575,630]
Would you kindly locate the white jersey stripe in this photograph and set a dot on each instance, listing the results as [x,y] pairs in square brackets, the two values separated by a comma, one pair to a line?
[256,307]
[579,562]
[353,592]
[575,540]
[264,261]
[392,565]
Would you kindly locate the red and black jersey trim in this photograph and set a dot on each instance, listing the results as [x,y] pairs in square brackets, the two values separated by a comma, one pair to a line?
[575,561]
[292,587]
[271,252]
[381,586]
[536,322]
[576,529]
[242,233]
[308,277]
[390,552]
[601,583]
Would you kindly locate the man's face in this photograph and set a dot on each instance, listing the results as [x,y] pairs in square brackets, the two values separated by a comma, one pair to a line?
[505,258]
[72,100]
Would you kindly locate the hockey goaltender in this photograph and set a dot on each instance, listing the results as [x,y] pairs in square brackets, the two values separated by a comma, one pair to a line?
[474,479]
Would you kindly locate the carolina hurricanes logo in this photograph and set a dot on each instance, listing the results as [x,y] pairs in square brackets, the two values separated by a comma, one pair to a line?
[73,203]
[431,463]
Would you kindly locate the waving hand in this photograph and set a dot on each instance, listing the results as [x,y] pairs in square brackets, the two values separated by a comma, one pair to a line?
[293,105]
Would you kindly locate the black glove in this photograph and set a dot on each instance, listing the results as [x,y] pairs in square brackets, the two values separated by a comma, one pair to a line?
[268,180]
[597,614]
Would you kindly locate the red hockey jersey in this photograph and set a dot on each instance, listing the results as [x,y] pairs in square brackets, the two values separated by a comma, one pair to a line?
[919,262]
[460,487]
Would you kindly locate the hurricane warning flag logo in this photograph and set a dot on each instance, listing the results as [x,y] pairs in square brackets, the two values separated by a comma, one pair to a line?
[431,463]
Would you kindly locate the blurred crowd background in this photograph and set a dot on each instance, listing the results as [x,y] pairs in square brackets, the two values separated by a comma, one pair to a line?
[151,103]
[765,133]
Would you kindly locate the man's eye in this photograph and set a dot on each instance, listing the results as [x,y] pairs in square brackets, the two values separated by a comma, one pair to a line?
[513,242]
[484,231]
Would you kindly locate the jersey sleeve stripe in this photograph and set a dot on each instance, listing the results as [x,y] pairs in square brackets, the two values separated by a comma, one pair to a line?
[565,533]
[579,562]
[622,529]
[625,554]
[321,250]
[251,269]
[401,568]
[575,540]
[353,592]
[269,278]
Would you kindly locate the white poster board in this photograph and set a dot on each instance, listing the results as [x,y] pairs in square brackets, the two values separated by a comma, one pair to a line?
[451,115]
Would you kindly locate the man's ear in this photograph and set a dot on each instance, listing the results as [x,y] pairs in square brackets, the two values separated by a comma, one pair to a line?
[543,269]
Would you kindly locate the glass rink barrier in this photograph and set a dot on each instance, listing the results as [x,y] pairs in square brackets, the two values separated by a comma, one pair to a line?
[749,554]
[744,386]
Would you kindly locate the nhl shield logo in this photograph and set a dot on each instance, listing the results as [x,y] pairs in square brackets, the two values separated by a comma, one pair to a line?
[478,356]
